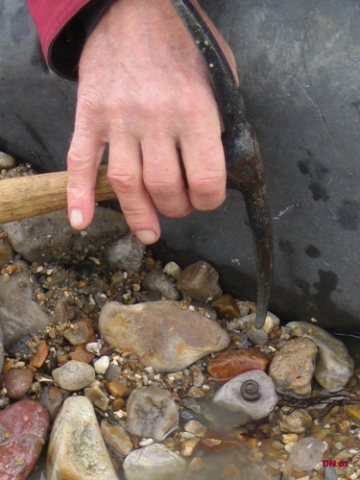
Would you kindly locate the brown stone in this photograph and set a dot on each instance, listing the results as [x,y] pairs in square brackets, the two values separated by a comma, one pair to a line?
[226,307]
[229,364]
[199,281]
[81,354]
[216,442]
[40,355]
[17,382]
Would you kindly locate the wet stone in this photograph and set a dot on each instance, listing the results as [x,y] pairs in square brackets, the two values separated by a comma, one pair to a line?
[294,421]
[161,334]
[77,449]
[116,437]
[51,237]
[17,382]
[154,462]
[226,307]
[334,366]
[229,364]
[152,413]
[23,432]
[127,253]
[74,375]
[195,427]
[293,366]
[19,313]
[160,282]
[252,393]
[307,453]
[200,282]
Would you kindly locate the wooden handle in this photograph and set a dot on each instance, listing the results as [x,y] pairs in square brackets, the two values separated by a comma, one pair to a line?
[25,197]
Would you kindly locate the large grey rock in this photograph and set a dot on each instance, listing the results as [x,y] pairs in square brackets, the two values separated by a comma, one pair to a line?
[50,237]
[152,413]
[19,312]
[154,462]
[76,449]
[161,334]
[334,366]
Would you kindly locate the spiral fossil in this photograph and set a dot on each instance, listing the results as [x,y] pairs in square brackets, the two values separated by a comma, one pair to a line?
[250,391]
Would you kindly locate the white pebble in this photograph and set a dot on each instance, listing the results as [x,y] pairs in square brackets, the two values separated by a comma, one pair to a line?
[102,365]
[146,441]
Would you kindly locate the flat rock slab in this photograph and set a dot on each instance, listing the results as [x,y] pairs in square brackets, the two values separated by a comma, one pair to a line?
[161,334]
[23,432]
[77,450]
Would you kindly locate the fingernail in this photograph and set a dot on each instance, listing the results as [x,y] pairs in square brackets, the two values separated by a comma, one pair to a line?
[146,236]
[76,218]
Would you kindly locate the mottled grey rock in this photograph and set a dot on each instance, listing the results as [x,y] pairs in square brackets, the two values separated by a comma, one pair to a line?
[115,436]
[307,453]
[151,413]
[199,281]
[229,395]
[77,449]
[334,366]
[161,334]
[50,237]
[127,253]
[293,367]
[154,462]
[158,281]
[19,313]
[74,375]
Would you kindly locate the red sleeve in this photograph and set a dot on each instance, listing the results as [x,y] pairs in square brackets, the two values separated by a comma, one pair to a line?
[51,16]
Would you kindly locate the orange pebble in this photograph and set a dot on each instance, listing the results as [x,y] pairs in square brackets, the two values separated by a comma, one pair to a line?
[81,354]
[39,357]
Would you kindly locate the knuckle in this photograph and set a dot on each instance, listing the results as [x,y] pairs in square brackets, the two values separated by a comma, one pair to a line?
[124,182]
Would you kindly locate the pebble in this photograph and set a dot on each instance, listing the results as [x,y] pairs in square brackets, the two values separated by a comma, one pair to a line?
[217,442]
[6,252]
[76,448]
[334,365]
[41,352]
[17,382]
[1,349]
[74,375]
[102,364]
[196,428]
[293,366]
[23,432]
[97,396]
[49,237]
[127,253]
[257,336]
[188,447]
[229,364]
[152,413]
[52,399]
[79,332]
[115,436]
[229,395]
[154,462]
[200,282]
[172,269]
[19,313]
[158,281]
[307,453]
[226,307]
[161,334]
[294,421]
[118,389]
[6,161]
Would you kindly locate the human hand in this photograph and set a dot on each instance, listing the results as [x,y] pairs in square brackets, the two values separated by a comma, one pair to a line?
[144,91]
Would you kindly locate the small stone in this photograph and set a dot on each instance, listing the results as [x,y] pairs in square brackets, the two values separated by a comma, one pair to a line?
[188,447]
[161,334]
[200,282]
[74,375]
[52,399]
[6,161]
[195,427]
[127,253]
[198,376]
[81,354]
[118,389]
[226,307]
[334,365]
[293,366]
[116,437]
[77,449]
[41,352]
[80,332]
[172,269]
[230,395]
[17,382]
[102,364]
[307,453]
[216,442]
[353,411]
[160,282]
[152,413]
[154,462]
[295,421]
[97,397]
[229,364]
[258,336]
[23,432]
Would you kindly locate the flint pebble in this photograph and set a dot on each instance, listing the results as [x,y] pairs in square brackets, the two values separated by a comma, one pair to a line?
[152,413]
[127,253]
[334,366]
[307,453]
[161,334]
[229,396]
[200,282]
[74,375]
